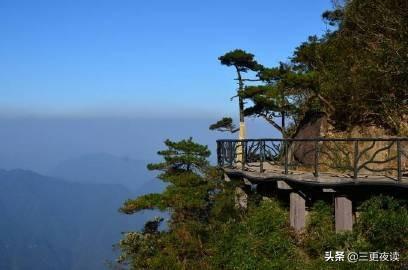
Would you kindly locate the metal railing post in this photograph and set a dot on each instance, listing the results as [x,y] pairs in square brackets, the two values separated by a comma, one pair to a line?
[285,145]
[231,153]
[262,155]
[399,169]
[243,153]
[218,153]
[355,161]
[316,158]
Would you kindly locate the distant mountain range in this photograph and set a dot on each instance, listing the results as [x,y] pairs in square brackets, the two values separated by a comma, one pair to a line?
[104,168]
[47,223]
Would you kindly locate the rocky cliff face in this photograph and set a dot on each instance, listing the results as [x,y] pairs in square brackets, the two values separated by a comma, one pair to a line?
[303,152]
[374,157]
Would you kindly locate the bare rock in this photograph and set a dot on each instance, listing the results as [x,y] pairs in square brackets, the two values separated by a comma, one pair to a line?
[312,127]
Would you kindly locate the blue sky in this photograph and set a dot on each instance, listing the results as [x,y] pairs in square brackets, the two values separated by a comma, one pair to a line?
[139,58]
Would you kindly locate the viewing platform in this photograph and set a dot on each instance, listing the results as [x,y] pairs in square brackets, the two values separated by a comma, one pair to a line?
[326,162]
[346,171]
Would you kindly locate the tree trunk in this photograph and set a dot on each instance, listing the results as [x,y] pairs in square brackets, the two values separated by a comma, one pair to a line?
[242,132]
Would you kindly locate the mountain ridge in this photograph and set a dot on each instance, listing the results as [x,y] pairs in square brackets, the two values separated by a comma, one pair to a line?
[49,223]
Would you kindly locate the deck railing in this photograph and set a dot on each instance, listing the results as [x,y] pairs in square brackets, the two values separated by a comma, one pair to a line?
[355,157]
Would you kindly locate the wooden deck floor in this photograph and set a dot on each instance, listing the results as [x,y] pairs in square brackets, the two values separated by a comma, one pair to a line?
[325,179]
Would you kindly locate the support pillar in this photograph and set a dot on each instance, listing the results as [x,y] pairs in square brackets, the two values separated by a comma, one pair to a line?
[242,136]
[242,131]
[343,210]
[297,211]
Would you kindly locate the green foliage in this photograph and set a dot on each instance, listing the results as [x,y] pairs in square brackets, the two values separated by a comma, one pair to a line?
[241,60]
[152,226]
[149,201]
[333,17]
[206,231]
[225,124]
[362,66]
[274,98]
[268,100]
[192,188]
[319,228]
[261,240]
[382,226]
[185,155]
[384,223]
[146,251]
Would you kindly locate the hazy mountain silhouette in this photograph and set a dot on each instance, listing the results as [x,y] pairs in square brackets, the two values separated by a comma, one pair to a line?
[40,144]
[104,168]
[47,223]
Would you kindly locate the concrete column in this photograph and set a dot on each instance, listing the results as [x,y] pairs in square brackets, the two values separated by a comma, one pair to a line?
[241,136]
[343,211]
[242,131]
[297,211]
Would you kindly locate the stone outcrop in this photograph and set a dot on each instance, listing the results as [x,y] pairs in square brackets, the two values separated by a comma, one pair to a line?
[241,198]
[312,127]
[340,155]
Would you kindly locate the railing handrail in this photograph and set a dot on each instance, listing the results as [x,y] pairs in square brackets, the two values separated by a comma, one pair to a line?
[365,139]
[227,152]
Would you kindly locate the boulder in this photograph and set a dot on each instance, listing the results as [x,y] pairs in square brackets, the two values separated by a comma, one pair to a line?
[376,158]
[311,127]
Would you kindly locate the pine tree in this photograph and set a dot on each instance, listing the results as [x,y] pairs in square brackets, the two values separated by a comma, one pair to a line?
[188,197]
[242,62]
